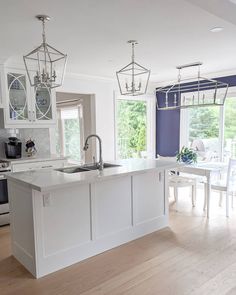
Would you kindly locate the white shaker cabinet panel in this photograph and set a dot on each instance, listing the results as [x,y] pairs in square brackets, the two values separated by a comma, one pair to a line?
[22,223]
[148,196]
[66,219]
[111,206]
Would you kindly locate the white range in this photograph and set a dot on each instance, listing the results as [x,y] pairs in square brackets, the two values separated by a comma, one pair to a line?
[58,218]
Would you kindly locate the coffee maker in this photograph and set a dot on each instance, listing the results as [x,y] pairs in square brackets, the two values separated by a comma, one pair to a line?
[13,148]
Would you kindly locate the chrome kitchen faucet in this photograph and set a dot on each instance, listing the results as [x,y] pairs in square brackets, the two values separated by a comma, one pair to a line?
[86,146]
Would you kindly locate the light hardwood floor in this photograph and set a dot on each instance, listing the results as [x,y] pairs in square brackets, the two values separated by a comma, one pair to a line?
[192,256]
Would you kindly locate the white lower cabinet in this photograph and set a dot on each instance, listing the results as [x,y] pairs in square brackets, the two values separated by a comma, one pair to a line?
[71,224]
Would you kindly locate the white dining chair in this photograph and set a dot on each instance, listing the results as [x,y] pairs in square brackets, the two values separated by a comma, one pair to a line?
[177,181]
[198,146]
[185,180]
[227,185]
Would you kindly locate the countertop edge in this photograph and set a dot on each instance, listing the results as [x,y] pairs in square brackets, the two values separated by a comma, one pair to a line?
[93,179]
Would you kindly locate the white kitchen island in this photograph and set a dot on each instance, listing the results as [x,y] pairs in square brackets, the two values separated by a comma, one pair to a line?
[58,219]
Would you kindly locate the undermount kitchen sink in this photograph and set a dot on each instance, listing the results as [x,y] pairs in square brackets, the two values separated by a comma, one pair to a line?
[85,168]
[72,169]
[95,167]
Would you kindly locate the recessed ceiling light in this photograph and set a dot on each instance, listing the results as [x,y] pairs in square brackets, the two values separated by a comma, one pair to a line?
[216,29]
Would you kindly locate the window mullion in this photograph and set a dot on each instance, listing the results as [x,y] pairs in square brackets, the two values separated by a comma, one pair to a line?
[222,132]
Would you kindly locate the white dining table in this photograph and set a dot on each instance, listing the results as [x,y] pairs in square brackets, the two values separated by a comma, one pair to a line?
[206,169]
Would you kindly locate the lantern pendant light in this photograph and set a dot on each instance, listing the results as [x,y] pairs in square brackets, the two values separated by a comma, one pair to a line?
[133,79]
[45,65]
[192,92]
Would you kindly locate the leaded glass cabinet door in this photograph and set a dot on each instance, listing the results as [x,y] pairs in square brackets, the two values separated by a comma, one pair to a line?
[18,100]
[43,103]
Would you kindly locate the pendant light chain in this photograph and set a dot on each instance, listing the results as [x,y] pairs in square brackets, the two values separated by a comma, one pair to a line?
[44,34]
[133,83]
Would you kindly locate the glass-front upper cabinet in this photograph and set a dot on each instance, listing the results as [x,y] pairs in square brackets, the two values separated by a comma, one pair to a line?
[25,106]
[43,103]
[18,100]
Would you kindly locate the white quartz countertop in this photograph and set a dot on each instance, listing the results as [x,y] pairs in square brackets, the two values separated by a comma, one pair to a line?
[34,159]
[49,179]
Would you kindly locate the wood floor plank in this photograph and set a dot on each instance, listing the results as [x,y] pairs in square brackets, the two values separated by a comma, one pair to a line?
[194,256]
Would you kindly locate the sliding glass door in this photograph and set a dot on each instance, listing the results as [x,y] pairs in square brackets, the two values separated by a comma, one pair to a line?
[230,128]
[214,126]
[204,125]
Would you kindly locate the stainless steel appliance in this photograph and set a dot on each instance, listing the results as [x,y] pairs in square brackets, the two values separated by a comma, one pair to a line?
[4,205]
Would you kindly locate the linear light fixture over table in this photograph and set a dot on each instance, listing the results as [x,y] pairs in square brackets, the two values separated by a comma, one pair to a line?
[186,93]
[45,65]
[133,78]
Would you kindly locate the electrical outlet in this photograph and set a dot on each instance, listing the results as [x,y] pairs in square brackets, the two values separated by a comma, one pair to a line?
[46,200]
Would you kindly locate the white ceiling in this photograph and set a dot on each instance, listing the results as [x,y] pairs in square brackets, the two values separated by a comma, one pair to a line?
[94,33]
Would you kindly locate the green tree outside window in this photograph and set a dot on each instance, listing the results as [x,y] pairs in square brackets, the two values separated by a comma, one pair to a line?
[131,128]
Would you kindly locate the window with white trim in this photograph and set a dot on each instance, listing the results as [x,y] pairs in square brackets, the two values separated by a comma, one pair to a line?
[135,127]
[69,132]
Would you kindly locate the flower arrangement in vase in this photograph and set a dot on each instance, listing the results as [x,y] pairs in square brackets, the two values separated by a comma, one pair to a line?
[187,155]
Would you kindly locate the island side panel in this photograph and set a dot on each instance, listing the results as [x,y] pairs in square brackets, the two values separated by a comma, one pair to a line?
[149,201]
[21,225]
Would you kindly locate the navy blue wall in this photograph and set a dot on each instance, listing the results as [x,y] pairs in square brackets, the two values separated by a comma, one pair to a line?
[168,125]
[167,130]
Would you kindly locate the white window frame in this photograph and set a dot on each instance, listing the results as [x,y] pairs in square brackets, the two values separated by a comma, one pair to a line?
[61,129]
[150,100]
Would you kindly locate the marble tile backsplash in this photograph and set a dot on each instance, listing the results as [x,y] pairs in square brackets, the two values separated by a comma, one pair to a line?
[41,137]
[3,137]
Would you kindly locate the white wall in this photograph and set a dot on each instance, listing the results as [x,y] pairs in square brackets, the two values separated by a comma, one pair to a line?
[104,105]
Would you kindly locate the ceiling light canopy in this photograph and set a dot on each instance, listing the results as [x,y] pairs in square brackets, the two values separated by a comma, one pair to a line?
[45,65]
[187,93]
[216,29]
[133,78]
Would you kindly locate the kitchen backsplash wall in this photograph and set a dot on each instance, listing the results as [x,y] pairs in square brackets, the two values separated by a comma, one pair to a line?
[41,137]
[3,137]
